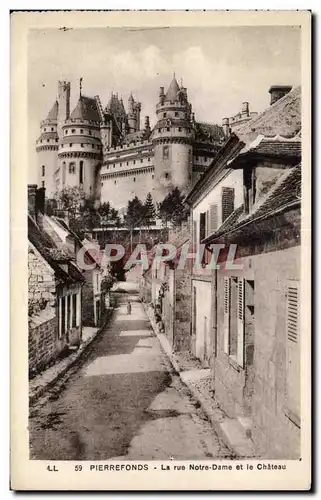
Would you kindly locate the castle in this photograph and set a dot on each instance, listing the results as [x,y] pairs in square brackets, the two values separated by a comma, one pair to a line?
[105,151]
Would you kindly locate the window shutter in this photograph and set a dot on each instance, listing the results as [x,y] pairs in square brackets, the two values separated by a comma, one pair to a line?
[227,294]
[202,225]
[228,195]
[293,352]
[194,235]
[213,224]
[240,322]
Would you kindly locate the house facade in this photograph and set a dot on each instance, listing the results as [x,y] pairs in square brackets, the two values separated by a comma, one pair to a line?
[54,292]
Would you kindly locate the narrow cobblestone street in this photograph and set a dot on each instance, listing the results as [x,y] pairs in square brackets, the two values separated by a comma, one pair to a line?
[124,402]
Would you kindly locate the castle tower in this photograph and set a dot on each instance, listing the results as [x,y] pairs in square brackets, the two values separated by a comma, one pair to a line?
[63,104]
[172,139]
[134,109]
[80,147]
[47,149]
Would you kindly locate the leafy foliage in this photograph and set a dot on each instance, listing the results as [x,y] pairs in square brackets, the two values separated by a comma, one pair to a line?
[172,210]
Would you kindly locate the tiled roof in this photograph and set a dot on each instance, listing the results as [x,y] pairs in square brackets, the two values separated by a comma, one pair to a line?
[283,118]
[115,106]
[277,148]
[173,89]
[86,109]
[53,113]
[51,253]
[208,132]
[287,193]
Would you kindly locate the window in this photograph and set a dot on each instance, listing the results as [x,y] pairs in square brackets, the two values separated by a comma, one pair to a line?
[70,145]
[47,140]
[63,173]
[73,130]
[90,132]
[134,162]
[166,175]
[92,146]
[63,315]
[43,170]
[81,172]
[66,132]
[152,176]
[43,184]
[148,159]
[249,181]
[234,319]
[56,140]
[72,167]
[81,145]
[68,311]
[293,352]
[179,129]
[164,115]
[159,130]
[126,162]
[74,310]
[176,113]
[81,131]
[141,161]
[168,129]
[52,129]
[120,164]
[165,152]
[228,195]
[115,182]
[134,179]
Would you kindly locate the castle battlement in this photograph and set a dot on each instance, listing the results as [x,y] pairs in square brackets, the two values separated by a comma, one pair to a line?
[129,146]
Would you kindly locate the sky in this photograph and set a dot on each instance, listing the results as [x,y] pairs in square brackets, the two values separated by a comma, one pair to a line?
[221,68]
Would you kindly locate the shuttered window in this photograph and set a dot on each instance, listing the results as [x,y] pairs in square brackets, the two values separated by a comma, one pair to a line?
[227,293]
[202,232]
[293,352]
[240,322]
[228,195]
[213,218]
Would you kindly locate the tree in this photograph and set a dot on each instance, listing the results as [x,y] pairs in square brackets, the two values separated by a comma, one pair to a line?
[173,209]
[109,215]
[149,210]
[134,216]
[70,200]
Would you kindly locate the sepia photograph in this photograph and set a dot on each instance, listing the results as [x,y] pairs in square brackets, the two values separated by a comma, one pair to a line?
[164,224]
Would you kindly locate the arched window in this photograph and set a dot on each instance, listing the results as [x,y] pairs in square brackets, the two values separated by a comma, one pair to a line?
[43,170]
[72,167]
[81,172]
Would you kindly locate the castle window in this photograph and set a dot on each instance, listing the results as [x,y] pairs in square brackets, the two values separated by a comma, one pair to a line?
[134,162]
[153,176]
[73,130]
[168,129]
[114,165]
[93,145]
[81,131]
[81,172]
[43,184]
[72,168]
[47,140]
[176,113]
[126,162]
[102,184]
[45,130]
[115,182]
[90,132]
[197,158]
[179,129]
[164,115]
[52,129]
[166,175]
[134,179]
[41,141]
[148,159]
[66,132]
[141,161]
[43,169]
[70,145]
[159,130]
[81,145]
[120,164]
[56,140]
[165,152]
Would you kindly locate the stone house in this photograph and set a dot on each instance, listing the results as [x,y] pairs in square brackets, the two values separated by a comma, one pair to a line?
[256,300]
[93,304]
[54,292]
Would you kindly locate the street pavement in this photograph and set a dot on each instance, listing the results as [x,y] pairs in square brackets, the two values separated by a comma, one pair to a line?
[123,403]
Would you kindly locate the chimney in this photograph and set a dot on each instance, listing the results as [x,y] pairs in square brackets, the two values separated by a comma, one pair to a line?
[32,189]
[245,108]
[278,91]
[226,127]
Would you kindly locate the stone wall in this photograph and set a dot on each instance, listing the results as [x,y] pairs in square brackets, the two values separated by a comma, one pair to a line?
[43,345]
[87,303]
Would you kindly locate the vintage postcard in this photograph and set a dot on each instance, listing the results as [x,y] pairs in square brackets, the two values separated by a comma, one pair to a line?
[161,182]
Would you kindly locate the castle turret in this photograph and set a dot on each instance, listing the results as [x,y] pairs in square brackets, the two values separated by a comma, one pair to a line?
[172,140]
[134,109]
[80,147]
[47,148]
[63,104]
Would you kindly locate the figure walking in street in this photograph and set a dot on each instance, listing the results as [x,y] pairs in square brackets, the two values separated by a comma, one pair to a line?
[129,307]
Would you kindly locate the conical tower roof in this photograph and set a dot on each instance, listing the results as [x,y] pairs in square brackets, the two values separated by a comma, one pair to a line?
[53,113]
[173,89]
[86,109]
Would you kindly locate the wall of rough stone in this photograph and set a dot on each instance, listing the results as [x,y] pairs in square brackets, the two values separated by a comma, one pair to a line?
[43,345]
[87,304]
